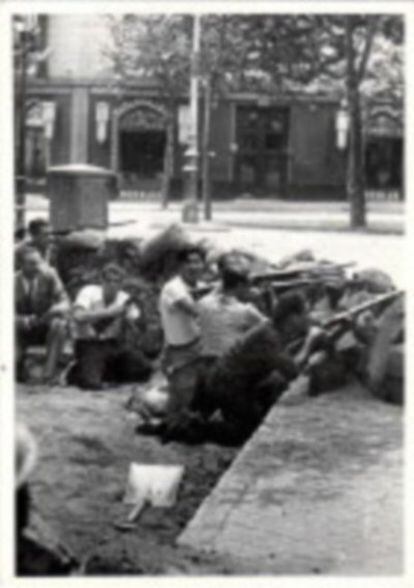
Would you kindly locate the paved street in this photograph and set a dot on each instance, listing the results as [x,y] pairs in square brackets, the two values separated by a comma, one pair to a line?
[249,224]
[317,489]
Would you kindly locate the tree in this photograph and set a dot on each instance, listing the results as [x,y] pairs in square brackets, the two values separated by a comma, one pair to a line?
[356,56]
[311,53]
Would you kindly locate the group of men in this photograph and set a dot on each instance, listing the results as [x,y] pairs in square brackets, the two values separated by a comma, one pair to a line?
[221,354]
[225,361]
[44,315]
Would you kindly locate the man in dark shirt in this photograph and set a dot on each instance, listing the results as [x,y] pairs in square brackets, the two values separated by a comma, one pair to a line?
[39,239]
[41,304]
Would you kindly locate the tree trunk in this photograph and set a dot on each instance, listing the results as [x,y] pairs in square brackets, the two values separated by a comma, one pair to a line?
[355,181]
[168,161]
[355,171]
[206,153]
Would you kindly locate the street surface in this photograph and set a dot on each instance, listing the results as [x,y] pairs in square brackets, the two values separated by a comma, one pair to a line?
[335,505]
[318,489]
[275,229]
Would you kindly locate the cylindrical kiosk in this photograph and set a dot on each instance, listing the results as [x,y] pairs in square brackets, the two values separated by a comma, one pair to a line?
[79,196]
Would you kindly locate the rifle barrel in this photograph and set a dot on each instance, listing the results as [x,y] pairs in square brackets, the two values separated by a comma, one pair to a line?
[294,272]
[362,307]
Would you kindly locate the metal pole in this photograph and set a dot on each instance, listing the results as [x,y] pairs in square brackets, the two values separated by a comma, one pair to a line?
[21,159]
[206,151]
[190,206]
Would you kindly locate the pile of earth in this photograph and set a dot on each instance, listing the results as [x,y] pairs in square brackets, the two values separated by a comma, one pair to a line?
[86,442]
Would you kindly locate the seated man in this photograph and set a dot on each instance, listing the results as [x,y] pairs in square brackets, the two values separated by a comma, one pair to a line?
[41,306]
[99,316]
[39,239]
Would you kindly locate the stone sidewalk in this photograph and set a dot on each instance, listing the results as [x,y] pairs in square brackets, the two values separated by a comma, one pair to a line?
[317,489]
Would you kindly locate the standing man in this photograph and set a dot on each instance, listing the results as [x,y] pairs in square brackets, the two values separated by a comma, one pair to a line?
[100,313]
[180,323]
[39,239]
[41,306]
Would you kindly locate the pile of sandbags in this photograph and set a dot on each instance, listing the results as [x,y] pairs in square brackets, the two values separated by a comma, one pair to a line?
[328,287]
[158,260]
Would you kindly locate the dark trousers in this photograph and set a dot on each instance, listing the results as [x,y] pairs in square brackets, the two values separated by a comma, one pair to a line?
[52,333]
[99,361]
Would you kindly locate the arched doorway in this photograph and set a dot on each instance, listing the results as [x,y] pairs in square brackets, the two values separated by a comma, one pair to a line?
[138,142]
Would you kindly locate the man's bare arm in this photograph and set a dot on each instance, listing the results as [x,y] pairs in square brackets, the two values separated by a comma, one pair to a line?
[92,316]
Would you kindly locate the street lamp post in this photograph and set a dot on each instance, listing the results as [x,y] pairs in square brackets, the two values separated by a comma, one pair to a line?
[190,206]
[21,152]
[342,125]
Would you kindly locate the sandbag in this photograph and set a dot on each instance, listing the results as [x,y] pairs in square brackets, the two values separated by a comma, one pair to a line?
[375,281]
[88,239]
[159,253]
[381,364]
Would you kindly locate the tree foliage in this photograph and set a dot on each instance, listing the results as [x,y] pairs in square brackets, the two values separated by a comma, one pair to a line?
[356,56]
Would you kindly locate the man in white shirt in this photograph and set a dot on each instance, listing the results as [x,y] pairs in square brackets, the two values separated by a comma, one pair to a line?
[223,319]
[99,316]
[180,323]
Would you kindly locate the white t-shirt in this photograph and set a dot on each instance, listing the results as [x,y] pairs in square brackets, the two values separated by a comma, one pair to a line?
[180,328]
[91,298]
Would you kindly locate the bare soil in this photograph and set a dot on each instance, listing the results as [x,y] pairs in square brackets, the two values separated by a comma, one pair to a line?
[86,442]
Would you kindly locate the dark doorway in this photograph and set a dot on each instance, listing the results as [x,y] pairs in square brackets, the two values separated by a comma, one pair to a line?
[384,163]
[262,139]
[142,158]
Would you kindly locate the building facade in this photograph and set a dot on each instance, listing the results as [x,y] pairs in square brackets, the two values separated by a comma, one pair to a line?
[273,145]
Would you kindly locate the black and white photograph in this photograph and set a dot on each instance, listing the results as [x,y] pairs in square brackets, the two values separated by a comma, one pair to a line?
[209,289]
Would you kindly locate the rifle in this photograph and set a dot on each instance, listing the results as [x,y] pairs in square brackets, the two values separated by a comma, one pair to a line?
[352,312]
[317,270]
[336,322]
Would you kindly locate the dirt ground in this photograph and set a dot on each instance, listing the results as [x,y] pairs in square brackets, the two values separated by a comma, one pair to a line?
[86,442]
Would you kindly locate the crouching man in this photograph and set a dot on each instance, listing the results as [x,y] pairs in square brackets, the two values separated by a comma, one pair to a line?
[250,377]
[100,313]
[41,310]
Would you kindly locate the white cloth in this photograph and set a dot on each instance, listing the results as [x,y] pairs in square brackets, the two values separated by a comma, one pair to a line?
[180,328]
[90,298]
[224,320]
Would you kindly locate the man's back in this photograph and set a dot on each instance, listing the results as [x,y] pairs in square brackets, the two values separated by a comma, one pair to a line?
[223,321]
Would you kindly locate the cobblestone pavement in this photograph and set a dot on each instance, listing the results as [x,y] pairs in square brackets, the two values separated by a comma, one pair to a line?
[317,489]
